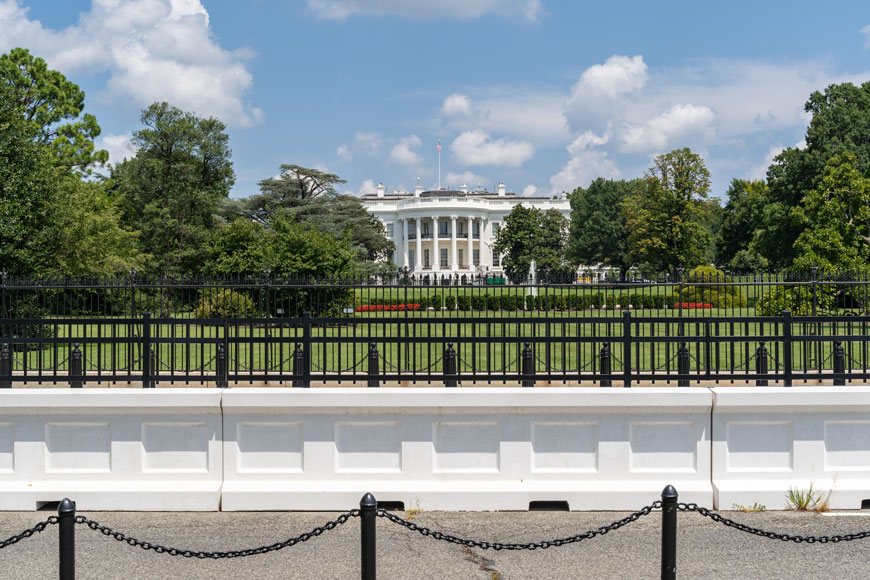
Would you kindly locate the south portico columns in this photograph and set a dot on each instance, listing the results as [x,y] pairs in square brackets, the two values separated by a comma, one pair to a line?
[454,265]
[418,259]
[405,243]
[436,257]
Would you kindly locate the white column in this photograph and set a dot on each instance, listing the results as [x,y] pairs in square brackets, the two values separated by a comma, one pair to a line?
[454,265]
[470,257]
[405,242]
[418,260]
[436,258]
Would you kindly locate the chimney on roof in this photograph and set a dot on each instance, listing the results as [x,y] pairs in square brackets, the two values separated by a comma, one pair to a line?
[381,190]
[501,189]
[418,189]
[464,188]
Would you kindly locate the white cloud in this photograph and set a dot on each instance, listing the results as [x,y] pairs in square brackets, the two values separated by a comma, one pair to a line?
[866,32]
[368,186]
[584,165]
[151,50]
[661,132]
[456,105]
[469,178]
[760,171]
[477,148]
[344,153]
[529,190]
[529,10]
[368,142]
[403,152]
[530,115]
[119,147]
[617,76]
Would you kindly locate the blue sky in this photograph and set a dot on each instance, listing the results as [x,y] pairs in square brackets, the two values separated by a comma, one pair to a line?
[542,94]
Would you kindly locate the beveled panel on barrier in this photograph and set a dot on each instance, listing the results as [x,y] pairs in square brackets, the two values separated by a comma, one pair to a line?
[760,446]
[559,447]
[78,447]
[175,447]
[270,447]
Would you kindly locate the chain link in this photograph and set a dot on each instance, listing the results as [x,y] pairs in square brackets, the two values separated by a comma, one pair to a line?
[513,546]
[160,549]
[716,517]
[27,533]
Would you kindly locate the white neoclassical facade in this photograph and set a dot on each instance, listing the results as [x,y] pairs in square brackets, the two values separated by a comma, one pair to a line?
[449,232]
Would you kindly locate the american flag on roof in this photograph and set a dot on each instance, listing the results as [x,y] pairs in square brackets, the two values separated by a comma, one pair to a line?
[439,145]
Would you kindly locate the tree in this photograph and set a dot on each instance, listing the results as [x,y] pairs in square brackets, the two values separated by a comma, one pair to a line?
[531,234]
[173,186]
[53,106]
[840,123]
[836,219]
[294,186]
[667,219]
[27,183]
[597,233]
[742,222]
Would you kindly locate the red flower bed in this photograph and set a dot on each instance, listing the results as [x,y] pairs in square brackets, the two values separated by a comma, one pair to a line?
[387,307]
[690,305]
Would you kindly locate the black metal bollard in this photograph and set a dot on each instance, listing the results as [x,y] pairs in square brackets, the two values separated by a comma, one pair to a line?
[683,365]
[839,363]
[528,368]
[66,519]
[669,533]
[147,369]
[299,367]
[450,366]
[373,366]
[368,513]
[6,366]
[75,367]
[761,364]
[221,381]
[604,355]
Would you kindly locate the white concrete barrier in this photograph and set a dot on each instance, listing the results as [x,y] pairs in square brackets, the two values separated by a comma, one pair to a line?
[464,449]
[767,440]
[111,449]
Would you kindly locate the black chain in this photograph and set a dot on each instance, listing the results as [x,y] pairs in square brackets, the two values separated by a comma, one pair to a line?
[107,531]
[692,507]
[27,533]
[527,546]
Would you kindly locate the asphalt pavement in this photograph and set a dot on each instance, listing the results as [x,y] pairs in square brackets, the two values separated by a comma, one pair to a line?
[706,549]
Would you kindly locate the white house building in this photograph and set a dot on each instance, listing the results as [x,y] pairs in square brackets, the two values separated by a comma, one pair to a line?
[449,232]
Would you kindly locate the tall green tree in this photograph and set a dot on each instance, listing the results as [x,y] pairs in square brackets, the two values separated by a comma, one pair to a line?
[597,233]
[294,186]
[836,220]
[27,184]
[172,188]
[668,218]
[840,123]
[531,234]
[53,106]
[742,223]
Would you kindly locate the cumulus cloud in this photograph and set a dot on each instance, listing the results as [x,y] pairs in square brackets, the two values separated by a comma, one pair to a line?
[403,152]
[584,165]
[344,153]
[151,50]
[529,10]
[529,190]
[456,105]
[367,186]
[530,115]
[663,131]
[866,32]
[469,178]
[478,148]
[119,146]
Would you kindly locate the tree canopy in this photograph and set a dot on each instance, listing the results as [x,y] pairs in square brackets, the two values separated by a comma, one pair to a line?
[531,234]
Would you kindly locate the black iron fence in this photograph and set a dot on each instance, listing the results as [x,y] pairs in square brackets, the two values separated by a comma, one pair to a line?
[369,512]
[441,350]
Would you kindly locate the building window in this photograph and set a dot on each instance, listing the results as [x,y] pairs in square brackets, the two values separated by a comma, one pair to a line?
[495,228]
[425,229]
[443,257]
[460,258]
[442,229]
[412,260]
[476,257]
[426,258]
[460,230]
[390,230]
[475,229]
[496,259]
[412,230]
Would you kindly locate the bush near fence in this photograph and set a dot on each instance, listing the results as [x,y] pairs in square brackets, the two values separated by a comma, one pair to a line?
[559,302]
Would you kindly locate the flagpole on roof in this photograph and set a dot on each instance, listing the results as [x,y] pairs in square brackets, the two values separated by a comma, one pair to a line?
[439,164]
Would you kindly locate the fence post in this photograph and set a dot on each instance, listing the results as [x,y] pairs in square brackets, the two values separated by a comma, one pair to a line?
[839,363]
[528,366]
[786,348]
[6,366]
[669,533]
[368,513]
[306,349]
[373,366]
[626,348]
[75,367]
[761,364]
[146,349]
[66,519]
[221,363]
[299,367]
[683,365]
[450,366]
[605,364]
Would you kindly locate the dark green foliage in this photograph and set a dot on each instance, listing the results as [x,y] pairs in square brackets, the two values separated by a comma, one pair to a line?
[531,234]
[478,302]
[743,219]
[531,302]
[714,291]
[450,302]
[224,303]
[463,302]
[437,301]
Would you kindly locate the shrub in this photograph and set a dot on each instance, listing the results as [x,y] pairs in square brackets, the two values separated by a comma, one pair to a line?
[424,303]
[493,302]
[450,302]
[531,302]
[224,303]
[719,296]
[797,299]
[478,301]
[437,301]
[508,302]
[463,302]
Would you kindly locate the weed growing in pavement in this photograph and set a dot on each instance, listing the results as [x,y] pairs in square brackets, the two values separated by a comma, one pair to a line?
[755,507]
[807,501]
